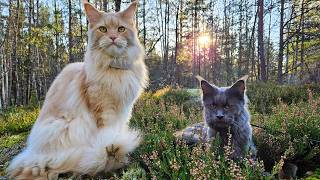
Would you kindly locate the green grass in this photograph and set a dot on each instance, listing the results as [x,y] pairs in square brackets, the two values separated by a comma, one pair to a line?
[315,176]
[8,141]
[264,97]
[17,120]
[291,118]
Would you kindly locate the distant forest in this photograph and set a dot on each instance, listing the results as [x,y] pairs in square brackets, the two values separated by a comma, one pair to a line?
[270,40]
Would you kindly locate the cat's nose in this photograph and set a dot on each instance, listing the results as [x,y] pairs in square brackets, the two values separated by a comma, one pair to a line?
[113,38]
[220,116]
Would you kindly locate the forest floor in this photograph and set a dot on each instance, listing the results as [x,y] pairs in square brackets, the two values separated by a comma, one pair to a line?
[289,134]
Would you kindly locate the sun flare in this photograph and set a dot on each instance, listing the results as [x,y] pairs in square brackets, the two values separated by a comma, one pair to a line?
[204,40]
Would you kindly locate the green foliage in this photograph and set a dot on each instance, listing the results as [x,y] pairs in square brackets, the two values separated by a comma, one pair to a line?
[290,126]
[315,176]
[155,116]
[134,172]
[292,132]
[159,116]
[9,141]
[17,120]
[174,96]
[263,97]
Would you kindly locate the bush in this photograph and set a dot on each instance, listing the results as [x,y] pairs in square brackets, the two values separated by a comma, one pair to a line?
[290,118]
[174,96]
[134,173]
[315,176]
[263,97]
[17,120]
[165,157]
[9,141]
[292,132]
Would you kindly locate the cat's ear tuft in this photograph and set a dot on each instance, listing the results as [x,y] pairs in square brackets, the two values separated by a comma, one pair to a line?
[92,13]
[199,78]
[244,78]
[130,12]
[239,87]
[207,88]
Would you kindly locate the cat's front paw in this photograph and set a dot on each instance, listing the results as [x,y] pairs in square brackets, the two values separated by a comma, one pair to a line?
[35,172]
[115,151]
[117,158]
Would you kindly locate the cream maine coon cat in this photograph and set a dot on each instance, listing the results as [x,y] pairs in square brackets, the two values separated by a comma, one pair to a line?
[82,127]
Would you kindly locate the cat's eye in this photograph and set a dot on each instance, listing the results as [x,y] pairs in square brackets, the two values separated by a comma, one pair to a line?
[227,106]
[121,29]
[103,29]
[213,106]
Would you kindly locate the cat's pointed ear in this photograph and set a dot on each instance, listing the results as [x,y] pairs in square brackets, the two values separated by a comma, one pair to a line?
[92,13]
[239,87]
[130,12]
[207,88]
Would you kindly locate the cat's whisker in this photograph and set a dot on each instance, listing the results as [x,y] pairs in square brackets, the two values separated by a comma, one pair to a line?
[95,47]
[224,108]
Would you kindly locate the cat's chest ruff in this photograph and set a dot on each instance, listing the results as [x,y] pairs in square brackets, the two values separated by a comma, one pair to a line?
[110,101]
[120,64]
[117,87]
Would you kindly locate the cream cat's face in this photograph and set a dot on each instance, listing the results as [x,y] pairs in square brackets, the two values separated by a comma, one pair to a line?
[111,33]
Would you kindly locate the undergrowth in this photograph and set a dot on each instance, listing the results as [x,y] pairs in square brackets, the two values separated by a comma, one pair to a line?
[290,118]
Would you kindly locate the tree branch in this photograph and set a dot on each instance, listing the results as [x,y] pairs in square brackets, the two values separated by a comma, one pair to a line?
[153,46]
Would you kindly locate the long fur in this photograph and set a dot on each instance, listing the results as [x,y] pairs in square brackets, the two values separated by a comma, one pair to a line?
[83,124]
[225,108]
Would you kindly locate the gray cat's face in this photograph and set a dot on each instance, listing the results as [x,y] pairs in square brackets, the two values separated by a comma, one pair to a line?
[223,105]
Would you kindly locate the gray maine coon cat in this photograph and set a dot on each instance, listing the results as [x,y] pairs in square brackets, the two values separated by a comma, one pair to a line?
[224,108]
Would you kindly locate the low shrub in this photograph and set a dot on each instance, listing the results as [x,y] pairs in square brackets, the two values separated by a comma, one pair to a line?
[263,97]
[292,132]
[17,120]
[8,141]
[290,117]
[174,96]
[315,176]
[134,172]
[164,157]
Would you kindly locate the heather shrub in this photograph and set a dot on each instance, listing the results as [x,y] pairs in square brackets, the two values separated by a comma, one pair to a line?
[17,120]
[175,96]
[264,97]
[165,157]
[290,117]
[292,132]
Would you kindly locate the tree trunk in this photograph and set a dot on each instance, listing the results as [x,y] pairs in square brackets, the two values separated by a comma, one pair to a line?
[194,60]
[252,46]
[174,63]
[105,5]
[269,42]
[227,45]
[29,64]
[144,23]
[240,40]
[56,33]
[302,39]
[14,80]
[280,57]
[261,42]
[117,4]
[70,36]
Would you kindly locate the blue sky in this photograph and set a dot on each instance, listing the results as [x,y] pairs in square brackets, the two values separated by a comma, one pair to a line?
[151,3]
